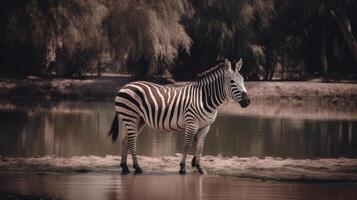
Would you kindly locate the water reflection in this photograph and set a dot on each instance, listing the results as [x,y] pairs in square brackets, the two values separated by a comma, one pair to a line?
[171,186]
[193,186]
[79,128]
[283,137]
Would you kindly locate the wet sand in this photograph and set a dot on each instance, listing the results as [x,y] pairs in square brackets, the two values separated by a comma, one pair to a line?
[164,186]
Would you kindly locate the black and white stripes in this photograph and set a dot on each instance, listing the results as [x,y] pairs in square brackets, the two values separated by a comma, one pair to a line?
[192,107]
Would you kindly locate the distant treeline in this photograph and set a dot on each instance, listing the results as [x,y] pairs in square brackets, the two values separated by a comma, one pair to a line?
[284,39]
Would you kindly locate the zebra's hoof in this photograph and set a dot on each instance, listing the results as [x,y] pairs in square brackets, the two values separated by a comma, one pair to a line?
[182,171]
[138,169]
[200,170]
[193,162]
[182,168]
[124,169]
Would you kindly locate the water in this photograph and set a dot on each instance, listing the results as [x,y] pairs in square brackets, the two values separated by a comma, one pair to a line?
[43,146]
[67,129]
[114,186]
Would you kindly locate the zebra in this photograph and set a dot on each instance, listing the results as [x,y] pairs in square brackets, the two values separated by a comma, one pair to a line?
[192,107]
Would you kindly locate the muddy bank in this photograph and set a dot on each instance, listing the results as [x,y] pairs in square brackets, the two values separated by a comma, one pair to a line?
[330,92]
[99,88]
[106,87]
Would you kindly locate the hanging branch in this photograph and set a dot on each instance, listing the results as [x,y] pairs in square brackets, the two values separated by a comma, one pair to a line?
[345,26]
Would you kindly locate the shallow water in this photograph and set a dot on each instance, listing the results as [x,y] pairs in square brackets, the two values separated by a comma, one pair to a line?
[43,146]
[168,186]
[68,129]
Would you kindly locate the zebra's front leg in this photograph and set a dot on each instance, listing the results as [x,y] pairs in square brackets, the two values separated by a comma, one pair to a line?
[194,142]
[201,135]
[189,133]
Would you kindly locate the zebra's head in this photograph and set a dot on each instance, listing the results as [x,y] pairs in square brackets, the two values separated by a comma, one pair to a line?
[235,83]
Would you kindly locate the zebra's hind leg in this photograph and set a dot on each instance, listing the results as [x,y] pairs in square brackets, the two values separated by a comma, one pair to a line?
[132,135]
[201,135]
[124,156]
[133,130]
[189,133]
[193,162]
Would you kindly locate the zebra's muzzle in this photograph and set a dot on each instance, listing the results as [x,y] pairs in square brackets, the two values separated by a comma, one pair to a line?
[245,100]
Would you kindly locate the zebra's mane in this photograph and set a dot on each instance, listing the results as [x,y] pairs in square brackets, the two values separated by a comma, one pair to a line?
[210,71]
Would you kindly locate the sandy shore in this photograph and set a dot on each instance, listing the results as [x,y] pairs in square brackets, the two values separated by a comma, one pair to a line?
[106,87]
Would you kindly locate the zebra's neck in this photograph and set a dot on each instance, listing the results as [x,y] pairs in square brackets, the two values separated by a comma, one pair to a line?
[213,90]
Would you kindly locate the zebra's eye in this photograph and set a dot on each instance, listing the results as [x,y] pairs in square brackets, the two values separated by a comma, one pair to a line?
[231,81]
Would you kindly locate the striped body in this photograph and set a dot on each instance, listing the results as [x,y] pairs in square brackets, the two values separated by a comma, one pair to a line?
[192,107]
[165,108]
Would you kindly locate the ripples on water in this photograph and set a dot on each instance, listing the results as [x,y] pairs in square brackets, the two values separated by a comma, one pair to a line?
[68,129]
[43,146]
[268,168]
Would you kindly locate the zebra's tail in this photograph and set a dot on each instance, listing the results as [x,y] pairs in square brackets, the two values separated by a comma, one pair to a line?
[114,130]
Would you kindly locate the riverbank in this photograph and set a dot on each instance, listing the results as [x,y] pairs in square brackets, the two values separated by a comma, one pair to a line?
[106,87]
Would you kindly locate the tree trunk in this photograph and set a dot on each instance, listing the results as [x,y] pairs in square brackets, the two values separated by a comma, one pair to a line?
[271,63]
[324,63]
[99,69]
[345,26]
[141,69]
[284,64]
[272,70]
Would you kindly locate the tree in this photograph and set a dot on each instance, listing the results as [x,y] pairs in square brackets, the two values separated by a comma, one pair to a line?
[39,34]
[341,12]
[222,29]
[147,34]
[328,23]
[147,37]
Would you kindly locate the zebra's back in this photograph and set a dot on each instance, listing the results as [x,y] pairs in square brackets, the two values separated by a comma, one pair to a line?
[161,107]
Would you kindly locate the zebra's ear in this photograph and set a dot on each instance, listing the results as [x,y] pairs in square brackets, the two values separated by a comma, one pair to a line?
[227,64]
[239,65]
